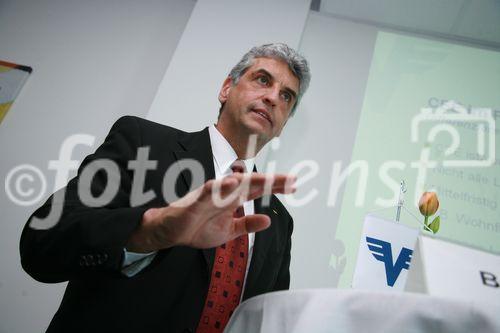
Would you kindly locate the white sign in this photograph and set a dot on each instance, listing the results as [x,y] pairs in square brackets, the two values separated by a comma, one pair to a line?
[449,270]
[384,255]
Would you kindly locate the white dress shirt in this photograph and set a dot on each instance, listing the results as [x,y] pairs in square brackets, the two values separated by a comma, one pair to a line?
[223,157]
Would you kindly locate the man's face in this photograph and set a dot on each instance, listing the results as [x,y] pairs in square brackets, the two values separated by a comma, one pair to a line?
[261,101]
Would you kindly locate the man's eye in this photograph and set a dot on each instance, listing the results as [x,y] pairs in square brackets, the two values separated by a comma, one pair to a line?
[263,80]
[287,97]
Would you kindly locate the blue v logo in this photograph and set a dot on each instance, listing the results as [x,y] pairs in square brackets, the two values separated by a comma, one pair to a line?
[382,251]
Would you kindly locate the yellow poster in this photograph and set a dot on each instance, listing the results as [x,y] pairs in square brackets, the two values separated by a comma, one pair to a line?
[12,78]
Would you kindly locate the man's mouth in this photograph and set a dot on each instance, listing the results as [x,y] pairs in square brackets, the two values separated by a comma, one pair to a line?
[264,114]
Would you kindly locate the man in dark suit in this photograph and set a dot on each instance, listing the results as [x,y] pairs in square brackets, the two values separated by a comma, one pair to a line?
[161,254]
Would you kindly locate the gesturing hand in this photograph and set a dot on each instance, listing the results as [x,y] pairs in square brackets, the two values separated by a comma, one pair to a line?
[204,218]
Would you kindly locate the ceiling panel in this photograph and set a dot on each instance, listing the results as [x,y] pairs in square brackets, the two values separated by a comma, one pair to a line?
[480,20]
[473,20]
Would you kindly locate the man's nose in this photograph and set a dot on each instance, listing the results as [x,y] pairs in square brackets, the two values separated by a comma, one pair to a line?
[272,96]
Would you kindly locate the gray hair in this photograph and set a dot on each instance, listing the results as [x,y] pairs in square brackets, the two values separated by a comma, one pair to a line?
[297,64]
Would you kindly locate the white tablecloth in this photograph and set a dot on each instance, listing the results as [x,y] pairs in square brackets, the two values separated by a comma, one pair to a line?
[337,310]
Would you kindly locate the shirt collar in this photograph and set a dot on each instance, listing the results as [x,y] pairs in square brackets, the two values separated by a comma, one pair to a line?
[224,154]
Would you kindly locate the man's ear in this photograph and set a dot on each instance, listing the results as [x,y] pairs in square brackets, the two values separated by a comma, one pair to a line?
[224,90]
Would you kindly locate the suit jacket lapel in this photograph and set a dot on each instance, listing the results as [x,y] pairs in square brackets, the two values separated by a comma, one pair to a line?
[263,247]
[197,146]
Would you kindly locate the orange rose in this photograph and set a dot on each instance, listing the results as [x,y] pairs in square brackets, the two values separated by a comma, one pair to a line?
[428,203]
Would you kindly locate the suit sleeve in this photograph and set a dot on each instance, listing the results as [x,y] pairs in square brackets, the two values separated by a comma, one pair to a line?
[283,280]
[87,240]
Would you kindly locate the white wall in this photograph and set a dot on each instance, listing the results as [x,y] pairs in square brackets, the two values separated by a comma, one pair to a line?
[324,130]
[93,61]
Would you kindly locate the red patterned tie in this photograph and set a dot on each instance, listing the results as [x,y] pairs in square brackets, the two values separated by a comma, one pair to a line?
[226,282]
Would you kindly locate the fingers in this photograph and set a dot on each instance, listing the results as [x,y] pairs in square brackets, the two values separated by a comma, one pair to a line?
[253,186]
[222,188]
[261,184]
[277,180]
[250,223]
[231,191]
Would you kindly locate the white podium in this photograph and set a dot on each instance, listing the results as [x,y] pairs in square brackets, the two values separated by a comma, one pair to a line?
[336,310]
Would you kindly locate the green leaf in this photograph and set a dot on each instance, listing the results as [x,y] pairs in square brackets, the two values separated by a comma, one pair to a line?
[434,226]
